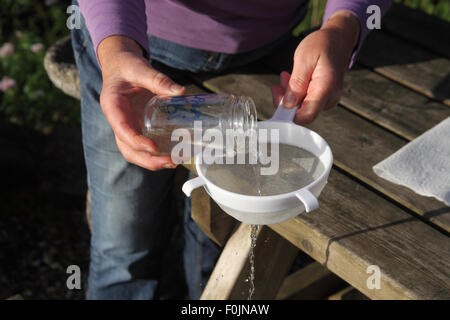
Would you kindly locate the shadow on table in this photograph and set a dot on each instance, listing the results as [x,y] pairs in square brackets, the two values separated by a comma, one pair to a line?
[355,233]
[437,212]
[427,215]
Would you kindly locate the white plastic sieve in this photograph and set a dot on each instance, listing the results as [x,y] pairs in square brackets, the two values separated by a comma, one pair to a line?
[275,208]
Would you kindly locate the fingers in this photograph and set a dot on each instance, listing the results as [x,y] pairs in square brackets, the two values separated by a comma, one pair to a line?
[155,81]
[120,115]
[299,80]
[319,97]
[309,110]
[278,91]
[125,90]
[322,94]
[134,147]
[143,158]
[284,79]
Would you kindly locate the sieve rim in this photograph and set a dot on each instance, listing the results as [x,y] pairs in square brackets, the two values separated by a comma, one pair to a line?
[286,195]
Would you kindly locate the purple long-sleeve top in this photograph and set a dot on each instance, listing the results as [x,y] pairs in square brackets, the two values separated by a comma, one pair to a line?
[231,26]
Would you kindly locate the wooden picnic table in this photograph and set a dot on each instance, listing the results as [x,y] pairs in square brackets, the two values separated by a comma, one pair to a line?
[398,89]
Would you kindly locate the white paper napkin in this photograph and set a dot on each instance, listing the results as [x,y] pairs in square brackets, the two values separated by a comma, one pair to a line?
[422,165]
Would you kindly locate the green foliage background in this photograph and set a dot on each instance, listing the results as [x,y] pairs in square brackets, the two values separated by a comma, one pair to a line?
[438,8]
[34,101]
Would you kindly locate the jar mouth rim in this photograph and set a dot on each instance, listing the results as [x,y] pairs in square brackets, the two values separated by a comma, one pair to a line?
[247,107]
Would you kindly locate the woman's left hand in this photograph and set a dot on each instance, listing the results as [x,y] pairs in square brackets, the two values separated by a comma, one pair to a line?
[320,62]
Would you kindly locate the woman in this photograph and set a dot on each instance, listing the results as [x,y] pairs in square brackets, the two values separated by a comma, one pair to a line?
[130,187]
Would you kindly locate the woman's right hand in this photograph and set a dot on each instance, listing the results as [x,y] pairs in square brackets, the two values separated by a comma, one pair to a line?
[128,82]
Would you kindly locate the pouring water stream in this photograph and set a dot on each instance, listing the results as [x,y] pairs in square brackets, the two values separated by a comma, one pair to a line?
[281,114]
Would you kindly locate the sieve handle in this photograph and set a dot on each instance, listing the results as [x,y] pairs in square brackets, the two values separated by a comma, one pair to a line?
[284,114]
[308,199]
[192,184]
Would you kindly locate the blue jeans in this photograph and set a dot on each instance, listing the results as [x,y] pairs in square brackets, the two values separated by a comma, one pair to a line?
[131,206]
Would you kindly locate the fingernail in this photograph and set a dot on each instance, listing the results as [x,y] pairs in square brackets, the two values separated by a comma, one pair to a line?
[149,149]
[289,100]
[176,88]
[169,166]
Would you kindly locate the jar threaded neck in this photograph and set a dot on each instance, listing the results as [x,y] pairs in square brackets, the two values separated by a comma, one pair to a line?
[243,114]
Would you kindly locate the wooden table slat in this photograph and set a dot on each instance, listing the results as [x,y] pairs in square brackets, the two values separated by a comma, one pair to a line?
[274,256]
[390,105]
[414,67]
[310,283]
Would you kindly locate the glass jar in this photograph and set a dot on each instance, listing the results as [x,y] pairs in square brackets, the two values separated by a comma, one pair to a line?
[165,114]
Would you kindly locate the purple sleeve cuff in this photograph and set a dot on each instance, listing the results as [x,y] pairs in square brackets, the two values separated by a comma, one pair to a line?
[359,9]
[105,18]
